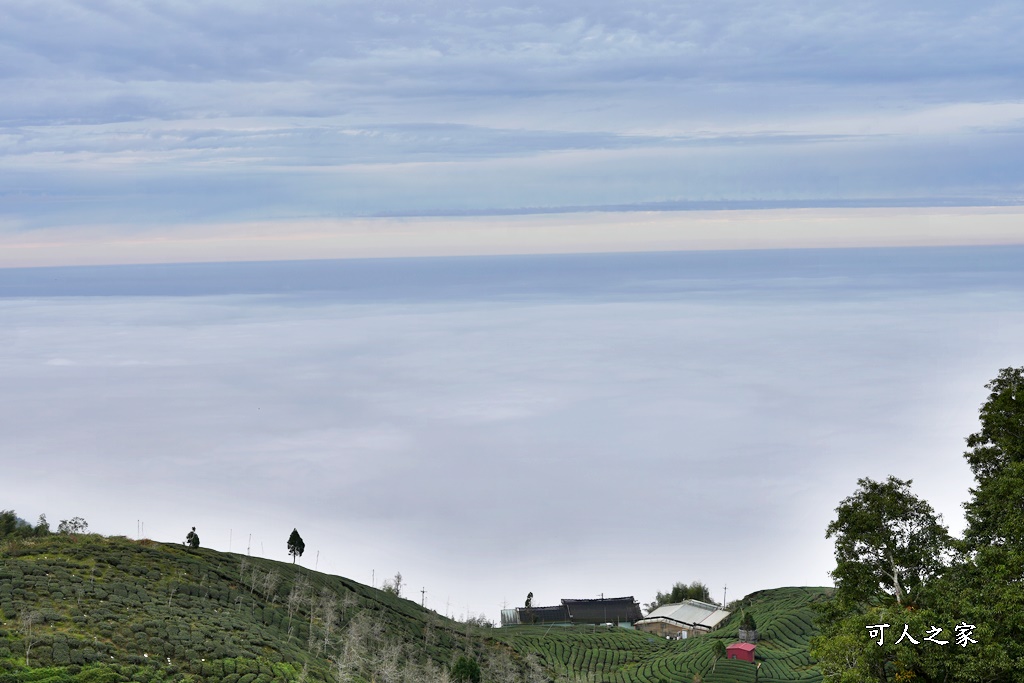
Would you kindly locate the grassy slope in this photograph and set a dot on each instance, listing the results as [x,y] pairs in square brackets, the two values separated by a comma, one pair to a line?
[134,605]
[115,610]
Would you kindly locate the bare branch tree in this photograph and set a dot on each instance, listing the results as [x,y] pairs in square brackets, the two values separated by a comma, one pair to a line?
[27,620]
[296,596]
[270,581]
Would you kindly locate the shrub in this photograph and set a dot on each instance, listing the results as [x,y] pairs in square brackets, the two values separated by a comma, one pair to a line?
[466,670]
[61,654]
[97,674]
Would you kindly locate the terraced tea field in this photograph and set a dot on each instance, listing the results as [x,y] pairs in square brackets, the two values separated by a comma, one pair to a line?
[785,622]
[112,610]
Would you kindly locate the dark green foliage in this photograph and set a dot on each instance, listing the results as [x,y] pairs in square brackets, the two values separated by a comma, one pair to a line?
[466,670]
[75,525]
[718,651]
[995,514]
[192,539]
[679,593]
[981,585]
[296,546]
[748,623]
[985,584]
[14,527]
[888,541]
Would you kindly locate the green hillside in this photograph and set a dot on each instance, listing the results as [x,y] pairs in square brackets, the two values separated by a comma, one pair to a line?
[785,622]
[90,609]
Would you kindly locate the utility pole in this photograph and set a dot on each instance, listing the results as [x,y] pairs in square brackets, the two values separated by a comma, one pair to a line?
[423,596]
[317,562]
[725,590]
[248,548]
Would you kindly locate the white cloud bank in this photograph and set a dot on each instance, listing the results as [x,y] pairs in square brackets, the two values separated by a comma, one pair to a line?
[552,233]
[496,426]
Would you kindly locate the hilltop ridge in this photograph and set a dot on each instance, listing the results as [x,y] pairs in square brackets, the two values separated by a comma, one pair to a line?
[93,609]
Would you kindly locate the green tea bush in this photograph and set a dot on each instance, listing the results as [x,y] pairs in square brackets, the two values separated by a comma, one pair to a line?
[211,669]
[96,674]
[61,654]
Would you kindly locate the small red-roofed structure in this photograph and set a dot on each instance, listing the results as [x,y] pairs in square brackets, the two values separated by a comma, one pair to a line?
[744,651]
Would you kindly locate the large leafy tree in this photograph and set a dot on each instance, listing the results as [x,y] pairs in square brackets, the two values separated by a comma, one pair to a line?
[986,585]
[890,545]
[995,514]
[75,525]
[889,542]
[982,585]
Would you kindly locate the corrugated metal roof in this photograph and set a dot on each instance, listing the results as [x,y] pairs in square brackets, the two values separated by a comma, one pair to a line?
[601,610]
[691,613]
[715,618]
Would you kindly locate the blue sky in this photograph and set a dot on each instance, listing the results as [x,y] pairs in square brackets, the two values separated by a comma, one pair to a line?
[389,407]
[145,119]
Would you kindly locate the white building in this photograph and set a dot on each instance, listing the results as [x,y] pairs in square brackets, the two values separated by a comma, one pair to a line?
[683,620]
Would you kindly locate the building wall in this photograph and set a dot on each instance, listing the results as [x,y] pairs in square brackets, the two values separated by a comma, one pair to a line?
[737,653]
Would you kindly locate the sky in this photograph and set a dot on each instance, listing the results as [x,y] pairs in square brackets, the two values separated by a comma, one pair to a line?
[571,298]
[141,121]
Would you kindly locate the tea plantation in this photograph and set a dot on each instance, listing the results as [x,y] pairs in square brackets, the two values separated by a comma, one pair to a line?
[89,609]
[785,623]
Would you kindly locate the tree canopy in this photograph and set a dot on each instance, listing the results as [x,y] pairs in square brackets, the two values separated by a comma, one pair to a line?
[680,592]
[296,546]
[75,525]
[996,456]
[13,525]
[887,539]
[896,566]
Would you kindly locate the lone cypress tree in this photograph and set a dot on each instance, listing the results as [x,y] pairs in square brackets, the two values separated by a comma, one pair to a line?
[295,545]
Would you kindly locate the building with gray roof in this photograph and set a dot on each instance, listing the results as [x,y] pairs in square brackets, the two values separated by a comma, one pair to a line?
[683,620]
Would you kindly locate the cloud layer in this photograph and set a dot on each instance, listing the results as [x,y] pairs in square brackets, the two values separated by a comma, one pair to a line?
[138,115]
[562,425]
